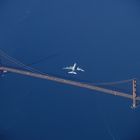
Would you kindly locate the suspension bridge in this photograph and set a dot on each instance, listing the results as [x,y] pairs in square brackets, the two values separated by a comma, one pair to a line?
[29,71]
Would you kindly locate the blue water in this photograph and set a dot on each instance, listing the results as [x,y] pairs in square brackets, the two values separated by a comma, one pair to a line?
[101,36]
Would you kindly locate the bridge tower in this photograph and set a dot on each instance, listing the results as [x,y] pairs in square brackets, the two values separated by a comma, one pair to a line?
[1,71]
[134,95]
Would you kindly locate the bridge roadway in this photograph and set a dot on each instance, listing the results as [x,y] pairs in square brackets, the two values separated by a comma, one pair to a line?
[68,82]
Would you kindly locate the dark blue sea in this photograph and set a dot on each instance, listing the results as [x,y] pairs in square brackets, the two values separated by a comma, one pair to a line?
[102,37]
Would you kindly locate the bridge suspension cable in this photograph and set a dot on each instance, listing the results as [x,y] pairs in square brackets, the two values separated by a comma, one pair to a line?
[37,74]
[113,83]
[15,61]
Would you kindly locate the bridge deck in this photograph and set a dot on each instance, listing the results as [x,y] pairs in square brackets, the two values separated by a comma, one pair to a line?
[69,82]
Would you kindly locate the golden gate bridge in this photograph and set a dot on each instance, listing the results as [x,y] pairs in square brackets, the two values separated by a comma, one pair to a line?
[32,72]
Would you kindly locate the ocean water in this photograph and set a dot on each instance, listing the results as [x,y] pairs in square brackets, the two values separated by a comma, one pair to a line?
[101,36]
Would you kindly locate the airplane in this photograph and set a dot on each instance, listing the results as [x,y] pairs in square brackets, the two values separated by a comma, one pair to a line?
[73,69]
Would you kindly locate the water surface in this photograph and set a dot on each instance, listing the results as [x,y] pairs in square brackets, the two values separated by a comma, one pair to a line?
[101,36]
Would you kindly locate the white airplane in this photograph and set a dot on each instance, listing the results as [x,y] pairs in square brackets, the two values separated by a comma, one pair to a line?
[73,69]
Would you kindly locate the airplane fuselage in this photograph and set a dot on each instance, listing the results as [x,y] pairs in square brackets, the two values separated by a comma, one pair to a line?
[74,67]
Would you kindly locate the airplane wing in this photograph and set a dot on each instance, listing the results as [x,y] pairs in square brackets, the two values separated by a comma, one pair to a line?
[79,69]
[72,72]
[67,68]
